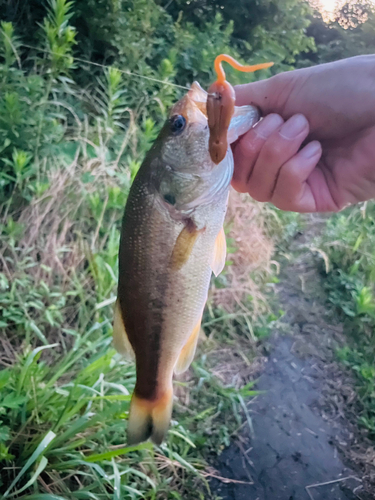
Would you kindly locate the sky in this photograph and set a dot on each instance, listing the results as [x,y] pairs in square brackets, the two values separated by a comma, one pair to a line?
[328,5]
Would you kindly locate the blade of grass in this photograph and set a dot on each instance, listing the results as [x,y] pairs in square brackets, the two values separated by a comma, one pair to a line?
[42,465]
[43,496]
[48,438]
[115,453]
[117,482]
[29,361]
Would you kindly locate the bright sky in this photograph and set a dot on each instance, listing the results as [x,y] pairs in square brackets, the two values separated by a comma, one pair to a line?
[328,5]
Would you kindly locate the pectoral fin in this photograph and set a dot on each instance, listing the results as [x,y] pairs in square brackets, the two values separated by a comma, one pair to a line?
[184,245]
[220,253]
[243,119]
[120,338]
[187,353]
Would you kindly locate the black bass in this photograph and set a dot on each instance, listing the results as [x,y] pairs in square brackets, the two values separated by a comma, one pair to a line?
[172,239]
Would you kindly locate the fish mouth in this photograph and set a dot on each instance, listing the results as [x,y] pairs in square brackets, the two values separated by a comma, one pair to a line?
[193,106]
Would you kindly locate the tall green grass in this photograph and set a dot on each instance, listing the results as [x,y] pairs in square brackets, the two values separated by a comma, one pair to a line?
[68,156]
[63,422]
[348,242]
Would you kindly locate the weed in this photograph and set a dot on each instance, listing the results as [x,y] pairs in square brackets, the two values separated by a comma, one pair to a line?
[68,157]
[348,242]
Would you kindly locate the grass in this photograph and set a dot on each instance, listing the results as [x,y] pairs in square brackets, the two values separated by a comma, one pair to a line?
[65,393]
[348,243]
[64,427]
[79,403]
[68,156]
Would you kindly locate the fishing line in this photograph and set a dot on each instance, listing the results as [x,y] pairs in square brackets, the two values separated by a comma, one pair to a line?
[125,72]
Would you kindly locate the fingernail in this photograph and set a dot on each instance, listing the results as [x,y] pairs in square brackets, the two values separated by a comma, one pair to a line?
[310,150]
[293,127]
[268,125]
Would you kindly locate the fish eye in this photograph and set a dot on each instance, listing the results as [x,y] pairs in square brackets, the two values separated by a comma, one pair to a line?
[177,123]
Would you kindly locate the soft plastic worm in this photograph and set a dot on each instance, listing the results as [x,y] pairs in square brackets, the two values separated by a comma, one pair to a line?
[220,105]
[236,65]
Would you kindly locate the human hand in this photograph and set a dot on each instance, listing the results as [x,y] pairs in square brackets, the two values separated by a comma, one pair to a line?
[315,149]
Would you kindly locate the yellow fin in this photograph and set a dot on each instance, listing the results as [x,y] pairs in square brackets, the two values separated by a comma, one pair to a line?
[187,353]
[184,245]
[120,338]
[149,419]
[220,253]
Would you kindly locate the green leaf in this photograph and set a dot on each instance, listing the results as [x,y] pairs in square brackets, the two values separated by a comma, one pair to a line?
[34,457]
[43,496]
[184,463]
[38,333]
[115,453]
[87,177]
[42,465]
[29,360]
[117,482]
[4,432]
[4,453]
[12,401]
[181,436]
[4,377]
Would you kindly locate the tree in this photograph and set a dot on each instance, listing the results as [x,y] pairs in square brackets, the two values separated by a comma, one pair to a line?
[350,33]
[275,28]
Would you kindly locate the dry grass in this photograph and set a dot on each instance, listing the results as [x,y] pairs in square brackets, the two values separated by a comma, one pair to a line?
[251,256]
[60,236]
[52,259]
[57,230]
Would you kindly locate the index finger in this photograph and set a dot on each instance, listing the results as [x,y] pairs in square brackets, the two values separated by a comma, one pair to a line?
[269,95]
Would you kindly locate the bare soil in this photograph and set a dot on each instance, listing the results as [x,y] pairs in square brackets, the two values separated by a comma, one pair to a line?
[305,443]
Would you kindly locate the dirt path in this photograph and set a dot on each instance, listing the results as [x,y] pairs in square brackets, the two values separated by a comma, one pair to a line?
[301,438]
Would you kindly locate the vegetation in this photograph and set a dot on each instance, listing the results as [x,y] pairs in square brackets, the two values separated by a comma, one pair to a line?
[348,237]
[348,242]
[84,87]
[349,33]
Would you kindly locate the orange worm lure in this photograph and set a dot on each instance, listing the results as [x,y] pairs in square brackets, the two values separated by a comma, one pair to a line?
[220,105]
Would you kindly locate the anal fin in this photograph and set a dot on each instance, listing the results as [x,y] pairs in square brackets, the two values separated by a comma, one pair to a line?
[220,253]
[120,338]
[188,351]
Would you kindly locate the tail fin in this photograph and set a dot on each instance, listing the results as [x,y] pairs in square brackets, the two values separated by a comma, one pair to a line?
[149,419]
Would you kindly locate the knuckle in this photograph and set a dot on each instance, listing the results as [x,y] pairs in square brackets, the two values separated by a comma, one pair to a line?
[239,185]
[274,149]
[248,146]
[257,195]
[284,201]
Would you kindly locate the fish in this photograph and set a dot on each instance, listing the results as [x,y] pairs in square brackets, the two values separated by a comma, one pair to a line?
[172,240]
